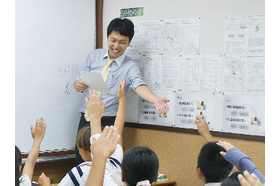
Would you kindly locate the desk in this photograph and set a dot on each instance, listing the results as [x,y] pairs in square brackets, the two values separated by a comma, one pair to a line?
[164,183]
[158,183]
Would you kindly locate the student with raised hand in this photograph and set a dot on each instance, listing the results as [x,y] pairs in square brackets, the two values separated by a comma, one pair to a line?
[239,159]
[140,164]
[231,153]
[95,111]
[101,149]
[38,133]
[77,175]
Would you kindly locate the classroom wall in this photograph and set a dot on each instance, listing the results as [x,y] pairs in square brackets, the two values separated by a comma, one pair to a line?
[178,152]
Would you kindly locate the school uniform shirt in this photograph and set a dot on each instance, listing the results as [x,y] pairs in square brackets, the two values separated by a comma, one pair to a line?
[77,175]
[122,67]
[24,180]
[112,174]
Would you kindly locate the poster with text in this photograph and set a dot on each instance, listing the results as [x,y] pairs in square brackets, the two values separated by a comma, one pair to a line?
[188,106]
[244,114]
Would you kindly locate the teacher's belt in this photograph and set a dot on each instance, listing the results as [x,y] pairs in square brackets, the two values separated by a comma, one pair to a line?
[104,117]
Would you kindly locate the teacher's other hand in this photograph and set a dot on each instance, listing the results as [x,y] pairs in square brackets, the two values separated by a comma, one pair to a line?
[80,86]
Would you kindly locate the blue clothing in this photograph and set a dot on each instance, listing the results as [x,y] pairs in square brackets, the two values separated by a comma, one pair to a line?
[122,67]
[243,162]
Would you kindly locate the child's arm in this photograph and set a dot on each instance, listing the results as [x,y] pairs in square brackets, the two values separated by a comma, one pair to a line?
[239,159]
[120,119]
[95,111]
[101,150]
[37,135]
[203,129]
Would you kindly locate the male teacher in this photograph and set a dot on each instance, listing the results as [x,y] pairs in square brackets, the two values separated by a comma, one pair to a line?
[119,36]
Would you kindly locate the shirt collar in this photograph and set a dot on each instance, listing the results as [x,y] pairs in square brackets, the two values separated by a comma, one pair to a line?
[118,60]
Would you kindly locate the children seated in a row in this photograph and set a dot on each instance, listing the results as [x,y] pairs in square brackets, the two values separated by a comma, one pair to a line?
[24,176]
[227,152]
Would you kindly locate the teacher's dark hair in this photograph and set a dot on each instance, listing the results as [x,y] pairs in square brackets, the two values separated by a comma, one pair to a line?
[139,163]
[123,26]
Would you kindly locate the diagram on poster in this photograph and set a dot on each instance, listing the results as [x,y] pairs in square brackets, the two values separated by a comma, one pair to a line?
[243,114]
[245,35]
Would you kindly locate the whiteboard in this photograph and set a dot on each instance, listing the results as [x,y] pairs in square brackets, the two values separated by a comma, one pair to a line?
[52,41]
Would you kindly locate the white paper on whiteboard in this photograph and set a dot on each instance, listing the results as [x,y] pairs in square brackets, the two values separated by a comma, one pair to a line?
[95,81]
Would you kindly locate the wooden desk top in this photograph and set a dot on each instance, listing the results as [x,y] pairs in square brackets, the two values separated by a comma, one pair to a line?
[161,183]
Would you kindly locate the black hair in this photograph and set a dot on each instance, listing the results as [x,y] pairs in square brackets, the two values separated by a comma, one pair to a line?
[17,164]
[139,164]
[123,26]
[212,164]
[232,180]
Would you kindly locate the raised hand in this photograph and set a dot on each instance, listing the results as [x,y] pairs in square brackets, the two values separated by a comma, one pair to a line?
[38,132]
[94,107]
[121,90]
[225,145]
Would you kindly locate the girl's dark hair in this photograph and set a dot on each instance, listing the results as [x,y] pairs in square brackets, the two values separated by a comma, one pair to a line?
[17,163]
[139,163]
[123,26]
[82,139]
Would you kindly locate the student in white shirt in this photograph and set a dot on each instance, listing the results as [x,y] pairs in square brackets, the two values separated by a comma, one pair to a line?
[139,165]
[38,133]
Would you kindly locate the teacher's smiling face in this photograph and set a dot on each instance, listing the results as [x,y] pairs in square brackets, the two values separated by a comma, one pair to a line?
[117,44]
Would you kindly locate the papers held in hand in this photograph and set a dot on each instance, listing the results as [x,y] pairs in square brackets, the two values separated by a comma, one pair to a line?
[95,81]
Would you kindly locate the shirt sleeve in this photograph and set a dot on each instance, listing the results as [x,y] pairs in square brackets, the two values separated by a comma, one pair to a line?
[134,78]
[243,162]
[86,66]
[24,180]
